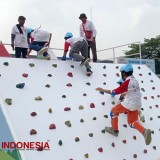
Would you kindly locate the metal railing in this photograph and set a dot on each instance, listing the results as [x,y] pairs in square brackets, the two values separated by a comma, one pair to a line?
[111,48]
[114,54]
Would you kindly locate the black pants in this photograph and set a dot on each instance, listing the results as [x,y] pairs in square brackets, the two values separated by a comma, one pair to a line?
[92,46]
[20,52]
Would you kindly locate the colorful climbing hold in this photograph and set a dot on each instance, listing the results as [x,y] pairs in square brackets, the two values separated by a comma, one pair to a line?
[47,86]
[8,101]
[33,131]
[31,64]
[60,142]
[90,134]
[33,114]
[70,74]
[52,126]
[50,110]
[20,85]
[68,123]
[54,65]
[25,75]
[77,139]
[81,107]
[67,109]
[6,64]
[38,98]
[69,85]
[92,105]
[86,155]
[100,149]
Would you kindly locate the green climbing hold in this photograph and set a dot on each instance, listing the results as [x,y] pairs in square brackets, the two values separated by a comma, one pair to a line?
[68,123]
[50,110]
[81,107]
[86,155]
[31,65]
[54,65]
[38,98]
[113,102]
[8,101]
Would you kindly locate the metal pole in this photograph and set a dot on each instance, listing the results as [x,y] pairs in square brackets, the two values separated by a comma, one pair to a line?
[140,54]
[114,57]
[91,12]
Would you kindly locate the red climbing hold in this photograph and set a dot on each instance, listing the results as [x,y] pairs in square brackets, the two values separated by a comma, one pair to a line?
[52,126]
[25,75]
[100,149]
[69,85]
[92,105]
[70,74]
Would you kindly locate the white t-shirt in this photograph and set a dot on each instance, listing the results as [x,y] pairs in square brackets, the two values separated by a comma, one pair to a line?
[20,39]
[130,87]
[73,40]
[40,35]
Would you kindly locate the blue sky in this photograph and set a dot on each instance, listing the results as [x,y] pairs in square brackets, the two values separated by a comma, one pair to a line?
[117,21]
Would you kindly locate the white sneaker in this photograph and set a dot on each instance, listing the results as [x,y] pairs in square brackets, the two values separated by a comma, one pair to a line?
[147,136]
[44,49]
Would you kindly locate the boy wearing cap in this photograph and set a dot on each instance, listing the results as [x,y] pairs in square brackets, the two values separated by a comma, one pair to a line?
[19,38]
[131,104]
[77,45]
[40,41]
[88,31]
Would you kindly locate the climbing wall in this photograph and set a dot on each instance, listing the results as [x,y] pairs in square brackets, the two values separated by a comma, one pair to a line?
[58,102]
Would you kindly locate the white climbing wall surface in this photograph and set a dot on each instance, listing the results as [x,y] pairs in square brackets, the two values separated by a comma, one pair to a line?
[70,99]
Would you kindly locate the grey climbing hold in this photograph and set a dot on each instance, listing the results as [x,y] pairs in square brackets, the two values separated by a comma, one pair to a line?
[31,65]
[6,64]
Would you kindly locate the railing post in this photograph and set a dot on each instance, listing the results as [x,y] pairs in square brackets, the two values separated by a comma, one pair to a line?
[114,57]
[140,54]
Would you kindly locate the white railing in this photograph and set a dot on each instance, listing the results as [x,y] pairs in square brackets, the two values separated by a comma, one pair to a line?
[111,48]
[114,53]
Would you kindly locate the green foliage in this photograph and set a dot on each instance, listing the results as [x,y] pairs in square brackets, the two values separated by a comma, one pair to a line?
[10,155]
[149,49]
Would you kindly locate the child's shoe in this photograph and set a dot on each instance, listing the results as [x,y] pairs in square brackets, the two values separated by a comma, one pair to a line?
[112,131]
[44,49]
[147,136]
[84,61]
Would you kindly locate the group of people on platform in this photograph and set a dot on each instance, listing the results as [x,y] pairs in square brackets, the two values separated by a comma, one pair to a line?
[24,40]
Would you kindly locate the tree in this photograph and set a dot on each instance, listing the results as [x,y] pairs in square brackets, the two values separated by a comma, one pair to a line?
[149,49]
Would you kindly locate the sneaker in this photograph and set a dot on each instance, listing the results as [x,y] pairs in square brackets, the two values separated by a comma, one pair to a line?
[89,72]
[48,57]
[44,49]
[112,131]
[84,61]
[147,136]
